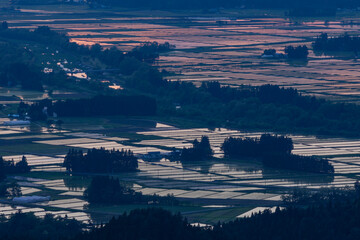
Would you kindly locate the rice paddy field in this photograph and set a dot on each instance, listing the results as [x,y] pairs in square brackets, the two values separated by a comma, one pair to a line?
[225,47]
[212,191]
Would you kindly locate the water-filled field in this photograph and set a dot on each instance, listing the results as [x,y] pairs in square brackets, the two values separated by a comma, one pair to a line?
[218,182]
[220,48]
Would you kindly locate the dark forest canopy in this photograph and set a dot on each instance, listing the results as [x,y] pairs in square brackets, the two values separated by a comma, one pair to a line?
[329,214]
[345,42]
[19,62]
[9,188]
[96,106]
[21,74]
[274,151]
[107,190]
[10,167]
[149,224]
[267,107]
[146,52]
[28,226]
[334,214]
[254,147]
[298,163]
[100,161]
[18,69]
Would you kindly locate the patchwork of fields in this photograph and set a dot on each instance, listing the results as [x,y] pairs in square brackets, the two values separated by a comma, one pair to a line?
[209,185]
[221,48]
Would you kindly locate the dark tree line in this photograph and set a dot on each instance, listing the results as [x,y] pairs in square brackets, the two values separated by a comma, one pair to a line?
[107,190]
[21,74]
[298,163]
[96,106]
[324,43]
[329,215]
[100,161]
[256,147]
[10,188]
[267,107]
[302,197]
[198,152]
[28,226]
[275,151]
[19,70]
[9,167]
[149,224]
[291,52]
[147,52]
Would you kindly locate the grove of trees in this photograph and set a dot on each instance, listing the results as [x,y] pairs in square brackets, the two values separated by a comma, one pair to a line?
[200,151]
[9,167]
[96,106]
[9,188]
[298,52]
[324,44]
[107,190]
[100,161]
[274,151]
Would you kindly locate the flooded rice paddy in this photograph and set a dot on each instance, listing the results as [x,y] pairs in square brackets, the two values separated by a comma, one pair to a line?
[225,49]
[216,183]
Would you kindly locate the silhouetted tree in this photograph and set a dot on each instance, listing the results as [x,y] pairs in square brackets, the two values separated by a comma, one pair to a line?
[200,151]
